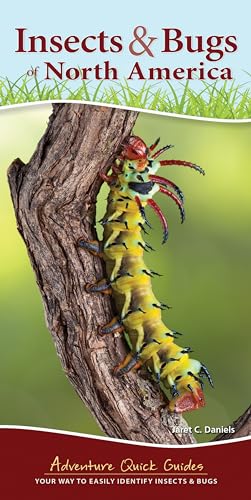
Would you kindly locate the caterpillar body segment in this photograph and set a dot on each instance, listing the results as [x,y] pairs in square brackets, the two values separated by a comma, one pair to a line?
[133,184]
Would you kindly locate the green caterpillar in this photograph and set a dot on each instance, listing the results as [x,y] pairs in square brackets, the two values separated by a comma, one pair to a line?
[133,184]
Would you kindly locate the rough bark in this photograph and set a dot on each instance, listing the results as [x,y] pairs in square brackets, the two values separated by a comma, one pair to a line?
[242,427]
[54,198]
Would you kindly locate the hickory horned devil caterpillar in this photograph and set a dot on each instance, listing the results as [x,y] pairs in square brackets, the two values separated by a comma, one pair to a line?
[133,184]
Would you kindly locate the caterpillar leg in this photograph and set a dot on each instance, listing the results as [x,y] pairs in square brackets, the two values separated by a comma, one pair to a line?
[134,360]
[116,169]
[101,286]
[131,361]
[107,178]
[111,178]
[114,326]
[93,246]
[110,241]
[154,365]
[112,217]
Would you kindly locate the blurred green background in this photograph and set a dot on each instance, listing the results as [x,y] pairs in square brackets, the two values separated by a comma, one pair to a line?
[206,267]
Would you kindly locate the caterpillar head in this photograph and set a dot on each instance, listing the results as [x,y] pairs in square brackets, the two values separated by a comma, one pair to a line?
[134,148]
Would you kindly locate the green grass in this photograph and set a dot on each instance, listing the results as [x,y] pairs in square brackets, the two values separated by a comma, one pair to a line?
[227,100]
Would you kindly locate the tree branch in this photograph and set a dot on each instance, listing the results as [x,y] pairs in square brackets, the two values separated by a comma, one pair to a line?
[54,198]
[242,427]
